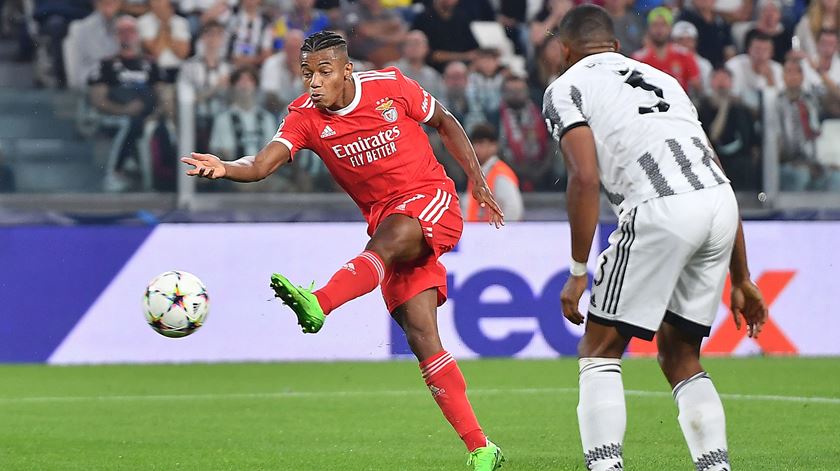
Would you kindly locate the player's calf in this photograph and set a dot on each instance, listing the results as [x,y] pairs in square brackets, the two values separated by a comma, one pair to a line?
[602,415]
[703,422]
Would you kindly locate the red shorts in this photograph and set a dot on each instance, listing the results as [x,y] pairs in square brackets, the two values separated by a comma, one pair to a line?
[439,213]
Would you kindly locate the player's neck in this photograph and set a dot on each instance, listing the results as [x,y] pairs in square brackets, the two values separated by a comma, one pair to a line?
[348,93]
[589,51]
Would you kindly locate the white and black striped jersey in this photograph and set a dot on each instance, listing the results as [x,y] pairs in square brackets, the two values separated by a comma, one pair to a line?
[649,140]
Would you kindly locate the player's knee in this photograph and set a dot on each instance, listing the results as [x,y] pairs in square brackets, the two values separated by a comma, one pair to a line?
[398,239]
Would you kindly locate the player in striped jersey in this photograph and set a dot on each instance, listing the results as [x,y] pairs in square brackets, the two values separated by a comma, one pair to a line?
[366,128]
[630,130]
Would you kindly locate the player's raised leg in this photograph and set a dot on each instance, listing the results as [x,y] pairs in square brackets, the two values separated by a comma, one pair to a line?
[602,416]
[418,319]
[398,238]
[701,413]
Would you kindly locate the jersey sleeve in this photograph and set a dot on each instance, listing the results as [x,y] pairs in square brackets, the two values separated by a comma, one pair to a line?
[292,132]
[563,109]
[420,105]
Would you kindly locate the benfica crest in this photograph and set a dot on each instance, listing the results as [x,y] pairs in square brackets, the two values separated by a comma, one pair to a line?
[389,113]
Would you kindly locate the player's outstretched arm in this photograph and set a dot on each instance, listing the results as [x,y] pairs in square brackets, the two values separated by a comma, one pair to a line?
[583,201]
[250,168]
[458,144]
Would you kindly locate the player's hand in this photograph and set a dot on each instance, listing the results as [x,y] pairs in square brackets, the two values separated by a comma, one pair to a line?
[485,199]
[747,302]
[205,166]
[570,297]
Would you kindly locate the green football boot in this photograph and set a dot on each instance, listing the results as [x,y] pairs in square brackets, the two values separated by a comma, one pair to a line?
[309,313]
[486,458]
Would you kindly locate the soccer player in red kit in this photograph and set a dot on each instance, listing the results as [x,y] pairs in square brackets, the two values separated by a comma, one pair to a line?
[366,128]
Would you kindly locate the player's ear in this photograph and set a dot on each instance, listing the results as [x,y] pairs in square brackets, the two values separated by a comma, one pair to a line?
[565,54]
[616,45]
[348,70]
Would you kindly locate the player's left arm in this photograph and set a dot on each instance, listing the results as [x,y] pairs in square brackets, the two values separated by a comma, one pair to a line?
[746,300]
[458,144]
[583,201]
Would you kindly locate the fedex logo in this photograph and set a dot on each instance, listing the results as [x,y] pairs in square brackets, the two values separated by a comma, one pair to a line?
[522,300]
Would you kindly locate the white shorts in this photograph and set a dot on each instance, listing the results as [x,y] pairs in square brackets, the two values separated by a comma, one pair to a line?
[667,260]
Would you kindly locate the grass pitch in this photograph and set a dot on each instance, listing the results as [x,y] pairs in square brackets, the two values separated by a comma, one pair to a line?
[783,414]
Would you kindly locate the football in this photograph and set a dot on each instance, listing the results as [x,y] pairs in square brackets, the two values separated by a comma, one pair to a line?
[176,303]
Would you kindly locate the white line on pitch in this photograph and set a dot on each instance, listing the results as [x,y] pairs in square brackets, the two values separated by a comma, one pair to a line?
[397,392]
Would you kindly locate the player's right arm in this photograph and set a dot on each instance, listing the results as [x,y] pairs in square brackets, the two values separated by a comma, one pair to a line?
[291,136]
[564,109]
[251,168]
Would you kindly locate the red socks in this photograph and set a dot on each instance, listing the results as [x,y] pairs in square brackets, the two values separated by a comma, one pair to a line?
[449,389]
[356,278]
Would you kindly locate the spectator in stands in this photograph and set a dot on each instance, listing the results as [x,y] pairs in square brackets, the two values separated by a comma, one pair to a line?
[685,34]
[280,79]
[798,116]
[714,36]
[166,37]
[475,10]
[135,7]
[54,18]
[202,12]
[821,14]
[731,130]
[449,34]
[524,136]
[375,32]
[770,23]
[415,50]
[245,127]
[303,17]
[546,68]
[123,89]
[455,79]
[513,15]
[208,74]
[7,177]
[662,54]
[755,72]
[484,85]
[629,25]
[454,98]
[548,19]
[94,39]
[822,73]
[251,40]
[500,178]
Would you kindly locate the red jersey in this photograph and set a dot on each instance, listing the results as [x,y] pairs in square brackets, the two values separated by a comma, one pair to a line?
[375,147]
[678,63]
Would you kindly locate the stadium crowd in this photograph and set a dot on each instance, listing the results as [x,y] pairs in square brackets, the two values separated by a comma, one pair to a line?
[749,67]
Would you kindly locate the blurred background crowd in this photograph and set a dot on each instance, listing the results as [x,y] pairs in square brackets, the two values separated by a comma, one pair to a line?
[764,76]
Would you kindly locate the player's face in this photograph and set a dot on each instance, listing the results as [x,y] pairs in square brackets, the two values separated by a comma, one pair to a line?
[325,73]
